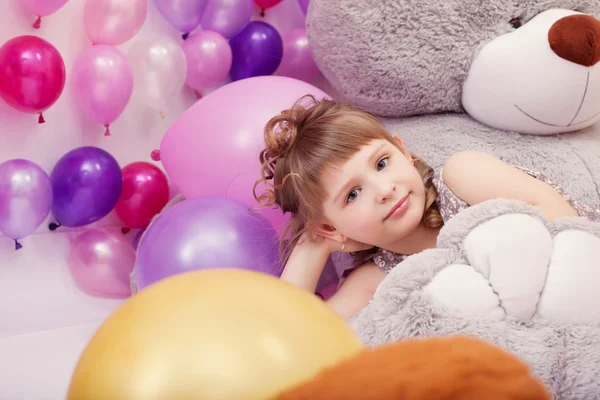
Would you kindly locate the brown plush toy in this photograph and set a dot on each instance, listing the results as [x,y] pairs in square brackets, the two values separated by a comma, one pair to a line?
[442,369]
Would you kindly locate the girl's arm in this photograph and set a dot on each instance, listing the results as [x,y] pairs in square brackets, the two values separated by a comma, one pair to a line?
[305,264]
[475,177]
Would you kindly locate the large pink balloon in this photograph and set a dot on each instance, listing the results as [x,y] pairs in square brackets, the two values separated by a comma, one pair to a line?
[32,74]
[103,83]
[101,262]
[113,22]
[213,148]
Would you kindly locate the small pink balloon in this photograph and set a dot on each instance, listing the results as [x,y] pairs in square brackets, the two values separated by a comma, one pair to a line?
[297,61]
[209,57]
[101,262]
[103,83]
[113,22]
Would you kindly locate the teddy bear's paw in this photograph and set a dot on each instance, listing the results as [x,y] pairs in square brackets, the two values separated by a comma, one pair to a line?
[572,287]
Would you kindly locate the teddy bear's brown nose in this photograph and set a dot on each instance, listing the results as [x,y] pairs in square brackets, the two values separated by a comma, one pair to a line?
[575,38]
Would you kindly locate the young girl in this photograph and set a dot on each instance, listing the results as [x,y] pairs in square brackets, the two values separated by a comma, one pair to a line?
[353,187]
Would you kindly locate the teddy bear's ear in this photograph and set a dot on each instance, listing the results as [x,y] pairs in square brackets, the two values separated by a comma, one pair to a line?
[443,369]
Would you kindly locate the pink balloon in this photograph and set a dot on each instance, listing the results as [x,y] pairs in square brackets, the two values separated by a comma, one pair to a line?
[32,74]
[209,57]
[41,8]
[103,82]
[297,61]
[101,262]
[264,4]
[113,21]
[211,150]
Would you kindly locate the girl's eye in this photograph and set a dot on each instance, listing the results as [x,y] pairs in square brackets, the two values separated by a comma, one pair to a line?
[352,195]
[381,164]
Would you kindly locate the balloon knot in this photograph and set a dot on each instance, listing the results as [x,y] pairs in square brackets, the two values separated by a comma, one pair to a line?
[162,114]
[37,23]
[125,230]
[41,119]
[18,246]
[197,94]
[185,36]
[53,226]
[155,155]
[107,131]
[262,12]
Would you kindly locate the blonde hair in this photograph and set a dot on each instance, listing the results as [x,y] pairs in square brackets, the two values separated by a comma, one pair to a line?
[301,142]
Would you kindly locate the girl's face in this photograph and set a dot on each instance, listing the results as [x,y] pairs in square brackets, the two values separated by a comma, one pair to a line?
[377,197]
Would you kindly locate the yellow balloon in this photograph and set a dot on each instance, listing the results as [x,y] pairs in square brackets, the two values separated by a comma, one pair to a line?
[212,334]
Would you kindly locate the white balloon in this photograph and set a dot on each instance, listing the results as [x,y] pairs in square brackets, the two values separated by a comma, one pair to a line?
[159,70]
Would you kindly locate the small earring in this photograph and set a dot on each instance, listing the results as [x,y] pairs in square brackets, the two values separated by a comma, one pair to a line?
[343,246]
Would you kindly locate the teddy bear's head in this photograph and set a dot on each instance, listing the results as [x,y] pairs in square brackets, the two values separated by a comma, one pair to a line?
[529,66]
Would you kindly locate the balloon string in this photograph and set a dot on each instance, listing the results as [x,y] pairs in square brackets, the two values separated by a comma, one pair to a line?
[107,131]
[41,119]
[18,246]
[53,226]
[37,23]
[155,155]
[185,36]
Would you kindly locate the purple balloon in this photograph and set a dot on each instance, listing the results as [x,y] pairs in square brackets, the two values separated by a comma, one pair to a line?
[297,61]
[205,233]
[183,15]
[304,5]
[87,183]
[227,17]
[25,197]
[257,51]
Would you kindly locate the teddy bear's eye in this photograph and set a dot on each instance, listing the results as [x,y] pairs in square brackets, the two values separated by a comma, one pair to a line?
[515,22]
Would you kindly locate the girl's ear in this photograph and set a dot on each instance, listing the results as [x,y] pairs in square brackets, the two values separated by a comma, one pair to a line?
[329,232]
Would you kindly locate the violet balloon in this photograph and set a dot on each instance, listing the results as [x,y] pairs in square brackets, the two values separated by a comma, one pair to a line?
[208,57]
[25,198]
[183,15]
[199,165]
[32,74]
[227,17]
[87,183]
[304,5]
[101,262]
[103,83]
[297,61]
[257,51]
[205,233]
[113,22]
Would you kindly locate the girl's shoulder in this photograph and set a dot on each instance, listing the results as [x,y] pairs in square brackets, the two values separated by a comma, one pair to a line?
[387,260]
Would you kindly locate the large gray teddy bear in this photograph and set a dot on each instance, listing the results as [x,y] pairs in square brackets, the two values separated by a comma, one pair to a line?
[519,79]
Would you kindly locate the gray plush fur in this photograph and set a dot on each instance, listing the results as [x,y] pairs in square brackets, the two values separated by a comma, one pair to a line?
[565,356]
[411,57]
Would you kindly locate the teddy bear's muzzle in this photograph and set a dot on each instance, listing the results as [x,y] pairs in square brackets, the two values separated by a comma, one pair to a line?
[575,38]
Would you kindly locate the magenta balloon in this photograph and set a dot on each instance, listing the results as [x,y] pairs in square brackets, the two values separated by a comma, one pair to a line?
[113,22]
[32,73]
[103,82]
[25,197]
[42,8]
[227,17]
[101,263]
[208,56]
[213,148]
[297,61]
[205,233]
